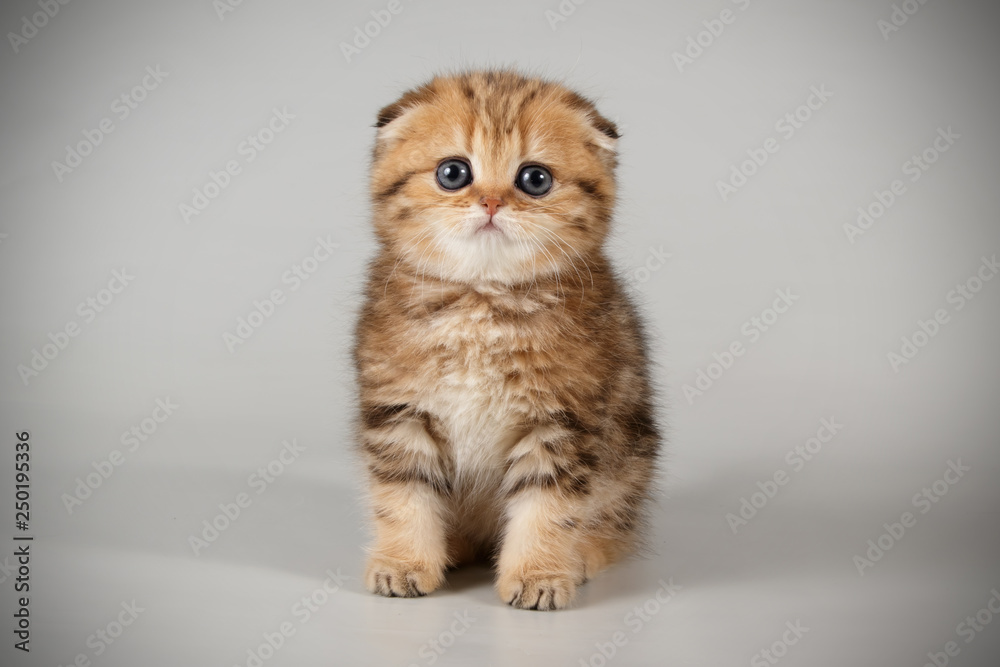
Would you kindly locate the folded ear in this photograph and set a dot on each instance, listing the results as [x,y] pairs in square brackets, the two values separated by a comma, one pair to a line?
[389,113]
[390,118]
[606,132]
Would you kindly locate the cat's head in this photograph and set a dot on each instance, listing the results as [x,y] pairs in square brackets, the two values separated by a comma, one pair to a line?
[493,177]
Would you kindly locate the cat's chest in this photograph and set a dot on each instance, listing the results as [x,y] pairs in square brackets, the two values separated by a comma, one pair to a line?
[481,378]
[483,353]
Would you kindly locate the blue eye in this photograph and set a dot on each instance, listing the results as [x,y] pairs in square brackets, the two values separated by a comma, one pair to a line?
[534,180]
[454,174]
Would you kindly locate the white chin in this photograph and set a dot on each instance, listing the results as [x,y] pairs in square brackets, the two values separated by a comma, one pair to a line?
[487,256]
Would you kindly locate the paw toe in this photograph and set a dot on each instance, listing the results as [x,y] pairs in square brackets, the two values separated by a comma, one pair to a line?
[538,592]
[393,578]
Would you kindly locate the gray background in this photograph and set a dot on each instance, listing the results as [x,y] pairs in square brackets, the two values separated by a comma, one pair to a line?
[162,336]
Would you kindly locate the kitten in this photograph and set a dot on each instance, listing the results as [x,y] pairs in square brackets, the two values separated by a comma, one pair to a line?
[505,407]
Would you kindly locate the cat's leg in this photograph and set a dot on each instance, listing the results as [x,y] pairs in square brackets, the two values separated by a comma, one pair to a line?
[547,489]
[409,487]
[612,530]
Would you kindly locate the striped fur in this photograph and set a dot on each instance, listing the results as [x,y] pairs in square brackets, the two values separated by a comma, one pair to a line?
[505,409]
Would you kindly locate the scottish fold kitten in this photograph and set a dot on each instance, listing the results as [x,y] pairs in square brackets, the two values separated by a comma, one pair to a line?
[505,407]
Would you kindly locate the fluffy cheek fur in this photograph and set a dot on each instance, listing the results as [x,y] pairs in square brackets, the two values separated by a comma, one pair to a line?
[449,244]
[445,241]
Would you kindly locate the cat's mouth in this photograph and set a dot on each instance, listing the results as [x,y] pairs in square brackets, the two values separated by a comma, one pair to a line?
[488,226]
[491,226]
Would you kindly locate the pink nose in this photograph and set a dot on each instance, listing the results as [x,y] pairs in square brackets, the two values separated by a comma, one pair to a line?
[491,204]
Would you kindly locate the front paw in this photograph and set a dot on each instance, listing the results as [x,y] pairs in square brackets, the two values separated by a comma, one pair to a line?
[395,578]
[541,591]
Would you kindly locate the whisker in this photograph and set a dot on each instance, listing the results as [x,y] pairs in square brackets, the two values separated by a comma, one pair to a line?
[560,241]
